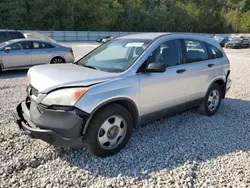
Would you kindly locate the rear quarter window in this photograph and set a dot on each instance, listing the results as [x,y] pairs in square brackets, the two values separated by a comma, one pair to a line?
[214,52]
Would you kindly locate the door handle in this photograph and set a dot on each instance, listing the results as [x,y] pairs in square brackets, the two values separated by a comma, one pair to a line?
[210,65]
[180,71]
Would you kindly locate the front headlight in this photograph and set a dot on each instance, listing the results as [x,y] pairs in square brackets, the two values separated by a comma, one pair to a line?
[64,97]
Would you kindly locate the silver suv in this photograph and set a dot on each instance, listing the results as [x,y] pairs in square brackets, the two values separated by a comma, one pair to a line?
[128,81]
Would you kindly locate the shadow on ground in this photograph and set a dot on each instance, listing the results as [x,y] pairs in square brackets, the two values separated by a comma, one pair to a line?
[13,74]
[169,143]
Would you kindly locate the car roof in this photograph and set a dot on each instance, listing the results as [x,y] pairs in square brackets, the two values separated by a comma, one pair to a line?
[154,36]
[39,40]
[6,30]
[146,36]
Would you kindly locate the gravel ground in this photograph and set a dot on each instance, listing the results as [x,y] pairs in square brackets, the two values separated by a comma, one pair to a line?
[187,150]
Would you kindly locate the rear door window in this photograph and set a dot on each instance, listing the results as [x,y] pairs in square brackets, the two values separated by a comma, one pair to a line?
[196,51]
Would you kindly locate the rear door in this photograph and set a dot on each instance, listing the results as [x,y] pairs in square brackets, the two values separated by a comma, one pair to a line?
[42,52]
[19,55]
[199,69]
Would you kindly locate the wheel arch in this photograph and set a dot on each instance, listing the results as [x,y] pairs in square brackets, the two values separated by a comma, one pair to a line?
[57,56]
[222,83]
[1,65]
[127,103]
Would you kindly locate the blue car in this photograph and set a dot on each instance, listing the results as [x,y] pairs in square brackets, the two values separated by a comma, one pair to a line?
[224,41]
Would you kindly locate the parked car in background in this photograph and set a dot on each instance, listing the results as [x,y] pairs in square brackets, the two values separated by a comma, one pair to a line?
[222,40]
[6,35]
[237,43]
[39,36]
[105,39]
[128,81]
[24,53]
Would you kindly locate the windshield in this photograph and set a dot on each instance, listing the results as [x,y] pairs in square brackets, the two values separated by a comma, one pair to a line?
[115,56]
[236,39]
[3,44]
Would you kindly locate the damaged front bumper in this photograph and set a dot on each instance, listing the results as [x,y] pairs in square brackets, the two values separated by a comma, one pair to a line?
[60,128]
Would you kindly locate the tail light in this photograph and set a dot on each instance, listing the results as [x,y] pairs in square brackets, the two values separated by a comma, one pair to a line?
[71,51]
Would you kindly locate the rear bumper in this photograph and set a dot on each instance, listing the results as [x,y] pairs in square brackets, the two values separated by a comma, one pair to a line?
[59,134]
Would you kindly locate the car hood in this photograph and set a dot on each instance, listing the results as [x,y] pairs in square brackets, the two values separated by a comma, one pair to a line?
[49,77]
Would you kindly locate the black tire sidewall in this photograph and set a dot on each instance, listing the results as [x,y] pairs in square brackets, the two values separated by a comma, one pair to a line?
[90,139]
[52,61]
[213,87]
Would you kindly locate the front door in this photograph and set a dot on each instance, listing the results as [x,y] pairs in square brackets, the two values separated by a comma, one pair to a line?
[18,56]
[163,93]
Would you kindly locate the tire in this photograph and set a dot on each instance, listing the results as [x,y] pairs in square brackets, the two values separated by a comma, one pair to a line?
[99,138]
[205,106]
[57,60]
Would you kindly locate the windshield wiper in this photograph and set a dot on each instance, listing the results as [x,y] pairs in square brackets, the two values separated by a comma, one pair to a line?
[91,67]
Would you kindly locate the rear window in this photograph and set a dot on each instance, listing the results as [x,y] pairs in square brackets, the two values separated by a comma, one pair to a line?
[16,35]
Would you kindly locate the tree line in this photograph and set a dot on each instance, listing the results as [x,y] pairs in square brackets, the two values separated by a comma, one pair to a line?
[209,16]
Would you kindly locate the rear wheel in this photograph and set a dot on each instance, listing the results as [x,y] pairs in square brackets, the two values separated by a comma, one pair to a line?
[109,131]
[212,101]
[57,60]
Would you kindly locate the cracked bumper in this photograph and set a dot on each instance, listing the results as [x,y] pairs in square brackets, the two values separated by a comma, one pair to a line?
[51,126]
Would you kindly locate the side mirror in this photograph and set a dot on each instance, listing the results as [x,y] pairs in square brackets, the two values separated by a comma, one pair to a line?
[7,49]
[155,67]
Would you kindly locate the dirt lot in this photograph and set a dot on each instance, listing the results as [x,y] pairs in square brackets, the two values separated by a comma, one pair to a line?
[187,150]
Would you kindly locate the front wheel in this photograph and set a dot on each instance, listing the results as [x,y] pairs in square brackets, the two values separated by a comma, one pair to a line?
[212,101]
[109,131]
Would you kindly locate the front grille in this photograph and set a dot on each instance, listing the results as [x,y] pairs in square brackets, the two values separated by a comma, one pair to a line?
[32,91]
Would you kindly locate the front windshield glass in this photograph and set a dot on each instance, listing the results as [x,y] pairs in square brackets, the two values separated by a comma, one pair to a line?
[3,44]
[115,56]
[236,39]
